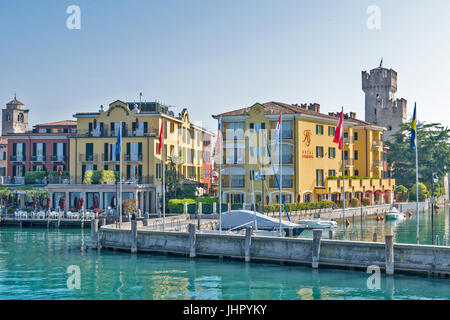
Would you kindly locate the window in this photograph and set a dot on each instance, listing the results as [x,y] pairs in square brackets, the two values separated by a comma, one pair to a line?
[286,132]
[356,173]
[319,129]
[20,117]
[158,171]
[346,135]
[319,152]
[331,131]
[332,173]
[355,136]
[172,127]
[345,155]
[355,155]
[319,178]
[235,130]
[331,153]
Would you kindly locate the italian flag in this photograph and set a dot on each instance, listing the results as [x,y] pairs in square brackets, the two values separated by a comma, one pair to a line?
[161,136]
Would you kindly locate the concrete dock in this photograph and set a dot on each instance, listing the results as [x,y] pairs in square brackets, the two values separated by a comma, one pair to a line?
[316,252]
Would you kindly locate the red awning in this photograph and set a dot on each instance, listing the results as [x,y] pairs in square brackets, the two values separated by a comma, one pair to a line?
[378,192]
[388,191]
[369,191]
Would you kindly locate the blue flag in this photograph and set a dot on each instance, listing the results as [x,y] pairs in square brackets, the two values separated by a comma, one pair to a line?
[414,130]
[117,151]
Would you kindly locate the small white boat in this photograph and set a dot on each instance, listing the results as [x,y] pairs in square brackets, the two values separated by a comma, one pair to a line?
[318,224]
[394,214]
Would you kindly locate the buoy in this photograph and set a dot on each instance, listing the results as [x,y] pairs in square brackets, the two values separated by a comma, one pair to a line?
[410,213]
[347,222]
[378,218]
[382,218]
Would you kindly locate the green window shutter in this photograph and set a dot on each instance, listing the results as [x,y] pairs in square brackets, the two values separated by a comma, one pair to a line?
[106,150]
[140,147]
[128,148]
[112,128]
[64,148]
[106,167]
[54,148]
[14,170]
[95,167]
[24,151]
[117,167]
[140,170]
[145,127]
[133,126]
[44,148]
[14,149]
[90,127]
[83,169]
[34,149]
[128,171]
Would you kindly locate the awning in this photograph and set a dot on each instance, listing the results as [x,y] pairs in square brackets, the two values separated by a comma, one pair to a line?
[379,192]
[235,171]
[286,171]
[369,191]
[388,191]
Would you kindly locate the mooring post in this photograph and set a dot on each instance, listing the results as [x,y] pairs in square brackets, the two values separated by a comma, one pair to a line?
[248,243]
[145,221]
[94,233]
[198,215]
[389,255]
[317,234]
[330,234]
[133,236]
[374,237]
[192,240]
[185,208]
[215,207]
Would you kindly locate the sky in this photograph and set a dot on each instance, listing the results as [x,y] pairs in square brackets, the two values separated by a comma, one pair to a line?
[213,56]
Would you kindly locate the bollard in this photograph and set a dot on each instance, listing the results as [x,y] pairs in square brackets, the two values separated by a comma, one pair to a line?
[133,236]
[198,221]
[200,208]
[145,221]
[248,243]
[374,237]
[330,234]
[185,208]
[104,221]
[192,240]
[215,207]
[317,234]
[389,248]
[94,233]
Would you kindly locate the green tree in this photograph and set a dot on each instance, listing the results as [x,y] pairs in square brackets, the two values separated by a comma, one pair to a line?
[423,192]
[433,140]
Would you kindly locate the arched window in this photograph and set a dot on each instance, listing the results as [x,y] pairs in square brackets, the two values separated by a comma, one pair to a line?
[20,117]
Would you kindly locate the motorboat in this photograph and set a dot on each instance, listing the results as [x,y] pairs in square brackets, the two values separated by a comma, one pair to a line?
[394,214]
[241,219]
[318,224]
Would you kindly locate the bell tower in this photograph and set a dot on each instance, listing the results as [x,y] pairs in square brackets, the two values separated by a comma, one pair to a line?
[14,117]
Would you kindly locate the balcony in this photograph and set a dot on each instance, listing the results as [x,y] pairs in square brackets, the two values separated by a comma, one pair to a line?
[349,162]
[110,158]
[378,164]
[376,144]
[39,158]
[59,158]
[348,140]
[15,158]
[133,157]
[12,180]
[92,158]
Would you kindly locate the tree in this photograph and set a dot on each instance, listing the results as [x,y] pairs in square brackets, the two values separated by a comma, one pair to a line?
[433,153]
[423,192]
[401,192]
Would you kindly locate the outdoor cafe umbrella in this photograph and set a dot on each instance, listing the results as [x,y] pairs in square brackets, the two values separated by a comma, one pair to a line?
[48,204]
[78,205]
[81,203]
[95,203]
[35,203]
[62,204]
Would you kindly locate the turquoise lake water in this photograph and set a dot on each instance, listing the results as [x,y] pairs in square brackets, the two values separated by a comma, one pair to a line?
[34,262]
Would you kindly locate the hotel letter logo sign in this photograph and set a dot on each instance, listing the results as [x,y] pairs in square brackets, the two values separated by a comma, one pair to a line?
[307,137]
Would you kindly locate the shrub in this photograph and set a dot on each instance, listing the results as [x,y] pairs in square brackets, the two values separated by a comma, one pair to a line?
[107,176]
[340,204]
[32,176]
[207,200]
[355,203]
[92,177]
[177,205]
[11,210]
[423,192]
[129,206]
[367,201]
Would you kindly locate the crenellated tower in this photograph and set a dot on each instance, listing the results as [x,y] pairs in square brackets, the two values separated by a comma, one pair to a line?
[381,106]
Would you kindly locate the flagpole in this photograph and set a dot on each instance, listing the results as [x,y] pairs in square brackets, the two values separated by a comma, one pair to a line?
[120,174]
[417,177]
[343,173]
[219,136]
[163,176]
[280,165]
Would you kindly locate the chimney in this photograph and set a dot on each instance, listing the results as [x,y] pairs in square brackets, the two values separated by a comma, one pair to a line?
[352,115]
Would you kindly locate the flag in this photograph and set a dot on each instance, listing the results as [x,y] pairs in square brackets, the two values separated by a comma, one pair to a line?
[218,137]
[60,171]
[277,134]
[381,63]
[339,131]
[118,150]
[161,137]
[414,130]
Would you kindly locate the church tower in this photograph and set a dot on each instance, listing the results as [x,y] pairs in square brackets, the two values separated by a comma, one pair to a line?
[14,118]
[382,108]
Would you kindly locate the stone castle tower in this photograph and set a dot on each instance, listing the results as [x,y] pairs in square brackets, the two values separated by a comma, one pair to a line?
[14,118]
[382,108]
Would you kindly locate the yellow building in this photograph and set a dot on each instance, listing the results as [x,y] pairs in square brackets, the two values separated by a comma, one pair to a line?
[93,148]
[310,160]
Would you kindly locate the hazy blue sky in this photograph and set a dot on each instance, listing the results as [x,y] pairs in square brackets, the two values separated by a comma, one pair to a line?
[217,55]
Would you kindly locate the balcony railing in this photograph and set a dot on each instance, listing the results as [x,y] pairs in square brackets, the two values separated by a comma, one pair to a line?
[348,140]
[12,180]
[59,158]
[377,144]
[349,162]
[17,158]
[133,157]
[152,132]
[110,158]
[88,157]
[378,164]
[40,158]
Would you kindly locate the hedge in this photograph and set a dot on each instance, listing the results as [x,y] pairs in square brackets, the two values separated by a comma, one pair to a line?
[32,176]
[299,206]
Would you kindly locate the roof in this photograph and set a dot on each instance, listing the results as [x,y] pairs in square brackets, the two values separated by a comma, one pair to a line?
[15,102]
[58,123]
[280,107]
